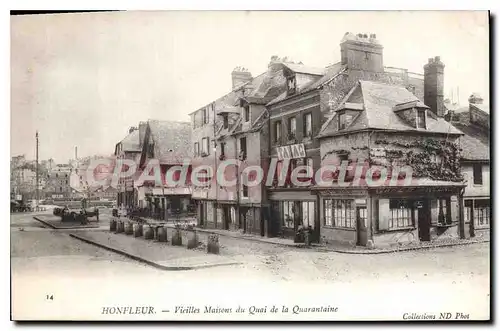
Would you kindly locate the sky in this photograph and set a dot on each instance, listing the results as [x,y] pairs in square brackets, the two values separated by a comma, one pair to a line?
[84,79]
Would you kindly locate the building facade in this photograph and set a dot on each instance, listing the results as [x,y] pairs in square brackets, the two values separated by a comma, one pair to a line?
[166,144]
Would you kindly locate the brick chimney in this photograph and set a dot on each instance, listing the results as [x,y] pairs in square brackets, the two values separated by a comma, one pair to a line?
[240,76]
[434,86]
[362,52]
[142,132]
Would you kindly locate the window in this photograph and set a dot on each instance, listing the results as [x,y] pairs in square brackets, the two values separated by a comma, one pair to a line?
[444,210]
[196,149]
[401,214]
[308,213]
[477,174]
[288,210]
[243,147]
[308,125]
[60,189]
[57,175]
[291,85]
[292,128]
[225,121]
[245,191]
[222,148]
[481,213]
[246,110]
[339,213]
[277,131]
[205,147]
[205,115]
[344,119]
[421,119]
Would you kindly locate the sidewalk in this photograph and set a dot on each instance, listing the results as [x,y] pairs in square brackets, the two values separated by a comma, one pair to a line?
[161,255]
[337,248]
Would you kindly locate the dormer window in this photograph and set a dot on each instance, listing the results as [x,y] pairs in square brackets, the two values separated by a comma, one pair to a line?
[344,119]
[291,85]
[246,113]
[421,119]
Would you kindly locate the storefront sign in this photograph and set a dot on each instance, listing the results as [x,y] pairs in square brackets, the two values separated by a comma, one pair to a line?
[296,151]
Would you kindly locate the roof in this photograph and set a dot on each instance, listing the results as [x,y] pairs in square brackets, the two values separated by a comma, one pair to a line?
[173,140]
[305,86]
[475,142]
[131,142]
[481,106]
[303,69]
[379,100]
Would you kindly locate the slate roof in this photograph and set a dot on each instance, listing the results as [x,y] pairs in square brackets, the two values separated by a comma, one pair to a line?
[475,142]
[131,142]
[302,87]
[172,139]
[481,106]
[379,100]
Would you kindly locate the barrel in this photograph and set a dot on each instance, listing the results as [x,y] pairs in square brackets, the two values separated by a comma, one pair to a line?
[120,226]
[192,240]
[148,232]
[161,234]
[112,225]
[176,237]
[137,230]
[129,228]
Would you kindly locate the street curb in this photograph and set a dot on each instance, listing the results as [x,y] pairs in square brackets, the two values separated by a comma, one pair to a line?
[343,251]
[63,227]
[149,262]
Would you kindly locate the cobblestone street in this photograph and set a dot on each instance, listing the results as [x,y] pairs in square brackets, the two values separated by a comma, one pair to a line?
[54,261]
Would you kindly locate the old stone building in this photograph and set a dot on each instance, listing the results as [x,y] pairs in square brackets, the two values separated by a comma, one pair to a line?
[168,144]
[129,148]
[474,122]
[230,136]
[365,114]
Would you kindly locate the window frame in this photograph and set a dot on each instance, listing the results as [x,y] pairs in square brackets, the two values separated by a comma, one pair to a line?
[196,149]
[292,134]
[401,218]
[307,133]
[277,129]
[477,180]
[418,118]
[246,113]
[205,145]
[339,217]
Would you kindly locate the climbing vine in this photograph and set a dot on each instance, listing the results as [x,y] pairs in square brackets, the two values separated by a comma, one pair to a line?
[437,159]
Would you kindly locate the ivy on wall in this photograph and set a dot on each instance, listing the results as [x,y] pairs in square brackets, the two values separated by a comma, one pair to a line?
[424,162]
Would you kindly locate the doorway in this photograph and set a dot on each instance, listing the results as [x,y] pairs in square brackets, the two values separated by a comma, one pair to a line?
[362,226]
[424,219]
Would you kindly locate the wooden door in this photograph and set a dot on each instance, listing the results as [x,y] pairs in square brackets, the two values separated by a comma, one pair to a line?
[361,226]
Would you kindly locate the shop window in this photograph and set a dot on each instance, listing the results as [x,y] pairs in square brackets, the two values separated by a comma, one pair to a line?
[339,213]
[401,214]
[482,213]
[308,213]
[288,214]
[444,212]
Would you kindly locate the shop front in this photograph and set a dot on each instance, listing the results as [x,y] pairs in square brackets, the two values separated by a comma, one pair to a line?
[291,209]
[477,216]
[405,215]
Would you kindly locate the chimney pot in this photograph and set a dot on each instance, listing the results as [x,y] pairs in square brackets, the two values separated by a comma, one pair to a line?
[431,60]
[437,58]
[365,36]
[374,36]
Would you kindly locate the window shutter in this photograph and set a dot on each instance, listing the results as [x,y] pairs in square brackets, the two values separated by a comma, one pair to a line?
[384,214]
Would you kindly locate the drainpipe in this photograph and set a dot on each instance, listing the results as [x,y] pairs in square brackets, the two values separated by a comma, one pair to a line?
[216,208]
[238,212]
